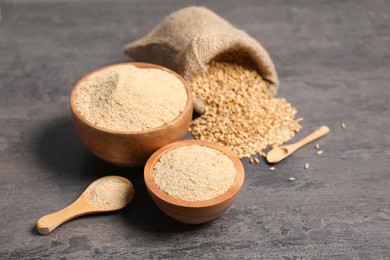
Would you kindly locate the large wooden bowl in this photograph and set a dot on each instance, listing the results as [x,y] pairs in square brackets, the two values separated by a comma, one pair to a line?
[126,148]
[192,212]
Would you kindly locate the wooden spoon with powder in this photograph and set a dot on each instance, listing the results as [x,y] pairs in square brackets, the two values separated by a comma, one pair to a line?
[106,194]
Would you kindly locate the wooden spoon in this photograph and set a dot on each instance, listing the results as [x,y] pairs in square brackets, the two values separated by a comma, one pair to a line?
[106,194]
[279,153]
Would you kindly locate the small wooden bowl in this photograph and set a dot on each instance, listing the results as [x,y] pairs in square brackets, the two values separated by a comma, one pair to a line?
[129,148]
[192,212]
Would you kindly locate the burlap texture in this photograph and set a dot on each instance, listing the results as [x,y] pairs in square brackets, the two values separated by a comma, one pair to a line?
[188,39]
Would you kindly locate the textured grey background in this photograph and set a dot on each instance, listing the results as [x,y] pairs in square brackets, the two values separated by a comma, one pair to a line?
[333,59]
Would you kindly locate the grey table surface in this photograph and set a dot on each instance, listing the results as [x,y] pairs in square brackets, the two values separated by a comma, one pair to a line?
[333,60]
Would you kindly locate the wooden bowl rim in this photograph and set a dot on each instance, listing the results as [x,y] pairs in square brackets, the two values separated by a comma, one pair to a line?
[231,192]
[188,107]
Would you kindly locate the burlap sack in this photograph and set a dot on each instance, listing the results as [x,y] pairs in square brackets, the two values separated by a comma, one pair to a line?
[188,39]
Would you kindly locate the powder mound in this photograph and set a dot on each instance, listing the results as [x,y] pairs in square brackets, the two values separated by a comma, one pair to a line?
[127,98]
[109,194]
[194,173]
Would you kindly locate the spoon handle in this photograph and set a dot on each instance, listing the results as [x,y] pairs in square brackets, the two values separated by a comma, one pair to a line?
[320,132]
[48,223]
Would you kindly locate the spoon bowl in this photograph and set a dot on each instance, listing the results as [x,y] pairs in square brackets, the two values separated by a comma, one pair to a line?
[277,154]
[110,193]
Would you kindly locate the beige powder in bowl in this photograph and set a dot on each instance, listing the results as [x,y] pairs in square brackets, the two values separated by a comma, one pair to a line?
[128,98]
[194,173]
